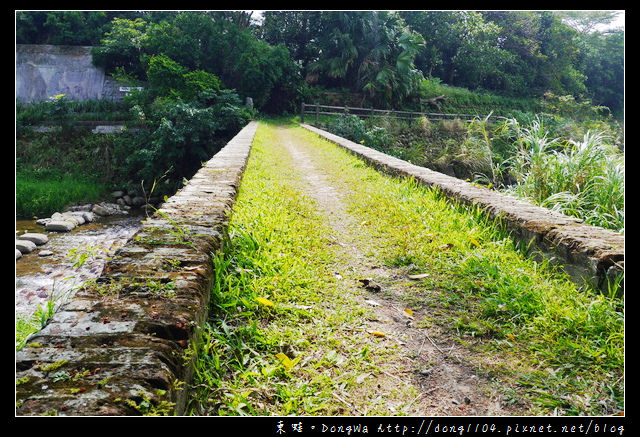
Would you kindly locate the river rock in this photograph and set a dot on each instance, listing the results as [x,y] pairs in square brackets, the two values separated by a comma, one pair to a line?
[38,239]
[18,254]
[105,209]
[60,225]
[138,201]
[25,246]
[45,253]
[78,216]
[88,216]
[68,216]
[83,208]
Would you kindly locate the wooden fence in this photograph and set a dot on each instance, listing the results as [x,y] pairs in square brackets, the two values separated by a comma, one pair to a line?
[317,110]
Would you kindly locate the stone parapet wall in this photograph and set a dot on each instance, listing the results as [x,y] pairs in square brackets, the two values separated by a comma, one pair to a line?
[589,254]
[121,345]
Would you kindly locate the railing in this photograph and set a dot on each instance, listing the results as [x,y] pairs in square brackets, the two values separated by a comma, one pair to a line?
[317,110]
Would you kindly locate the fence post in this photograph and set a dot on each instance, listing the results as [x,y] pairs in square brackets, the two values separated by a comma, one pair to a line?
[317,110]
[302,112]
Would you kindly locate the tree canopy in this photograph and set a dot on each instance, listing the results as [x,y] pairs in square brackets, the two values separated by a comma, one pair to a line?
[382,55]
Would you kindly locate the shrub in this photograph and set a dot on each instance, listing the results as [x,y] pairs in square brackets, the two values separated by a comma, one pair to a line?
[178,136]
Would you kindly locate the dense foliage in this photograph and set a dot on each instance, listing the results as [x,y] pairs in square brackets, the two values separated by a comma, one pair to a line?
[379,54]
[198,67]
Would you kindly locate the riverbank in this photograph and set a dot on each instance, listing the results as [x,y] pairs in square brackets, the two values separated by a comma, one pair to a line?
[43,283]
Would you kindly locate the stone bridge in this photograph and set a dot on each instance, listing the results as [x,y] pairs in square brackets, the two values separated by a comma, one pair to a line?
[121,345]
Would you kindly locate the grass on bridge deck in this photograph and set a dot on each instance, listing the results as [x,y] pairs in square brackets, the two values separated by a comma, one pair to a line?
[343,291]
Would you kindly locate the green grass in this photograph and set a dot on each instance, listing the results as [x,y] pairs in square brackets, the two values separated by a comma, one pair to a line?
[275,343]
[548,344]
[491,290]
[43,193]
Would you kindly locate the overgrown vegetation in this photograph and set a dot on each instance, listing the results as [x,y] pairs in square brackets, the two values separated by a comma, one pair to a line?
[575,167]
[276,343]
[276,58]
[285,336]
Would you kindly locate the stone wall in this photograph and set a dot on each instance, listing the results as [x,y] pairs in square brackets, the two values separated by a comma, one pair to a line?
[588,253]
[43,71]
[120,346]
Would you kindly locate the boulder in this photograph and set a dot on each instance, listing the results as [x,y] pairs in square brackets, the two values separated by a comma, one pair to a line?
[59,225]
[38,239]
[43,221]
[25,246]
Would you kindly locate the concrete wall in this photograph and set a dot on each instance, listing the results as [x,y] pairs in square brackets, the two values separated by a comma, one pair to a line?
[43,71]
[120,346]
[588,253]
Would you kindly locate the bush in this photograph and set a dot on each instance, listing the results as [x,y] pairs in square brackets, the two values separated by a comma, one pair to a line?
[177,137]
[349,126]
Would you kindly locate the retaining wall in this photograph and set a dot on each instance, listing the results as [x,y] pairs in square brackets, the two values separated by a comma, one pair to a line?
[590,254]
[43,71]
[119,347]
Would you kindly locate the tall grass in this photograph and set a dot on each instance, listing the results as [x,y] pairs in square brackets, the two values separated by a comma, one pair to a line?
[584,178]
[536,158]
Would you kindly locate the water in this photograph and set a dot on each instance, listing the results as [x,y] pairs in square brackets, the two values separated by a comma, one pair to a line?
[55,278]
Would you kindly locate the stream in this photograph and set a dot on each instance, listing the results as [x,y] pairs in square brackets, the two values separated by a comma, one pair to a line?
[54,278]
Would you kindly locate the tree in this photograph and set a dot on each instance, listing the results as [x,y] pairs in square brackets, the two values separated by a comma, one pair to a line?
[367,51]
[587,21]
[122,47]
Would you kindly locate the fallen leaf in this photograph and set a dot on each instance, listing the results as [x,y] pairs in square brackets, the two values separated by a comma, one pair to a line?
[372,302]
[446,246]
[419,276]
[408,311]
[474,242]
[286,362]
[378,333]
[265,302]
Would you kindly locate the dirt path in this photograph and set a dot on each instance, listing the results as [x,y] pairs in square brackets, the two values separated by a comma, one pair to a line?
[425,360]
